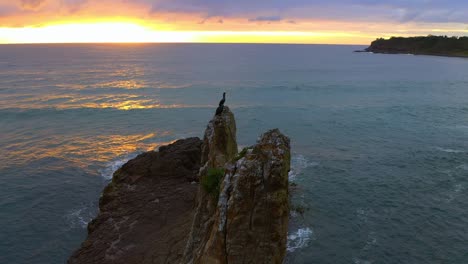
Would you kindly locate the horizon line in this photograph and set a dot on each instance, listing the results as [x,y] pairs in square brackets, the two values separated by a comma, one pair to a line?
[228,43]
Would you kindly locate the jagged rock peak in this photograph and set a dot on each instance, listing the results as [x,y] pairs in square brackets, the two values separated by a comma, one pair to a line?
[153,212]
[250,221]
[219,141]
[219,146]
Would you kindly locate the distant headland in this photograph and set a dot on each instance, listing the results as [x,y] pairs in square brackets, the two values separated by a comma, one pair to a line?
[430,45]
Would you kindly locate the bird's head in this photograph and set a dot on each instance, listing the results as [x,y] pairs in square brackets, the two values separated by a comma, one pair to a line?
[224,94]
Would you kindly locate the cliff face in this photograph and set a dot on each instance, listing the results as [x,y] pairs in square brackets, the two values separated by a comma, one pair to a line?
[251,216]
[257,210]
[219,147]
[146,211]
[152,212]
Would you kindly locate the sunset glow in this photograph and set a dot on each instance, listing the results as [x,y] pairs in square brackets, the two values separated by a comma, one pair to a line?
[124,32]
[298,21]
[91,32]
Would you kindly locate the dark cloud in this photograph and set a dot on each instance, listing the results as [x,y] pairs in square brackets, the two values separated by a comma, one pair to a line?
[213,19]
[365,10]
[31,4]
[74,6]
[266,19]
[288,11]
[6,11]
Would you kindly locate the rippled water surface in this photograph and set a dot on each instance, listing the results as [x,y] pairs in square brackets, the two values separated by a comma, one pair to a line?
[380,142]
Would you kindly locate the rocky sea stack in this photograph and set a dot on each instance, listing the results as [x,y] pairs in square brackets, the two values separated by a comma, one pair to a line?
[196,201]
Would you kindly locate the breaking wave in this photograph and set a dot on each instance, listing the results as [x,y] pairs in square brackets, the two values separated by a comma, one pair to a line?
[114,165]
[79,218]
[449,150]
[299,239]
[298,164]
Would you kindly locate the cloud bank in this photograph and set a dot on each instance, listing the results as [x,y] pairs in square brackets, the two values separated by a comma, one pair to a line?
[371,17]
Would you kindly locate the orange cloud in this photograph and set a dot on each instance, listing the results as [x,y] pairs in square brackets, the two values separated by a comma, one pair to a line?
[209,21]
[31,4]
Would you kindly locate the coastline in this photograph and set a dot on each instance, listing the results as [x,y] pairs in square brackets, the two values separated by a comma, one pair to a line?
[431,45]
[196,201]
[415,54]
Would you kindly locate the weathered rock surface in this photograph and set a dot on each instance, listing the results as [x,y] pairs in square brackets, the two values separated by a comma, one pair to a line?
[251,216]
[146,211]
[257,209]
[219,147]
[219,142]
[152,213]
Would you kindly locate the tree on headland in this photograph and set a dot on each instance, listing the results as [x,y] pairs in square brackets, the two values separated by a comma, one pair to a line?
[431,45]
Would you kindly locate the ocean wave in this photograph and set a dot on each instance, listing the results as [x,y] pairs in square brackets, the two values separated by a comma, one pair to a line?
[454,192]
[298,164]
[462,127]
[449,150]
[79,218]
[361,261]
[371,241]
[362,214]
[114,165]
[299,239]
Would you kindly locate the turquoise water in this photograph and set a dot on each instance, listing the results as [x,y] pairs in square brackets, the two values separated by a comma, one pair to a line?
[380,142]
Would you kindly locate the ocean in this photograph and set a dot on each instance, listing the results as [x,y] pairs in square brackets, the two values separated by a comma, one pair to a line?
[379,142]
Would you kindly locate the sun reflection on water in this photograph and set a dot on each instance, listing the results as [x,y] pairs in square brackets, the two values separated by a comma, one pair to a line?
[79,151]
[125,105]
[74,101]
[122,84]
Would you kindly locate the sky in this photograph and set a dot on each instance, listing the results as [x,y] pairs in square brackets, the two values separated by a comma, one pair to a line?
[233,21]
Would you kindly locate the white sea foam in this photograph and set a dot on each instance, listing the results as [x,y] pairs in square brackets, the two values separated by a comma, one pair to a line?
[454,192]
[362,214]
[79,218]
[361,261]
[299,239]
[293,213]
[463,127]
[371,241]
[298,164]
[449,150]
[114,165]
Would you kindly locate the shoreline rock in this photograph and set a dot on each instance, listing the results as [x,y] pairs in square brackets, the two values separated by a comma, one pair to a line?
[146,211]
[154,212]
[219,147]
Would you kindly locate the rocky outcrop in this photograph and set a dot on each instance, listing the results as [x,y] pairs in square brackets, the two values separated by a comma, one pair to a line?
[255,202]
[219,147]
[154,212]
[146,211]
[219,142]
[250,221]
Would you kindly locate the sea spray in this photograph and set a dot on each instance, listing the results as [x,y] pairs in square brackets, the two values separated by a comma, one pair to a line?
[299,239]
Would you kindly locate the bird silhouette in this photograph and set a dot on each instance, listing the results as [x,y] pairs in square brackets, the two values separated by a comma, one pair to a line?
[220,108]
[222,100]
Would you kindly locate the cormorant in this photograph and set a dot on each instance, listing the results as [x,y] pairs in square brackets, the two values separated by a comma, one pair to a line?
[220,108]
[222,100]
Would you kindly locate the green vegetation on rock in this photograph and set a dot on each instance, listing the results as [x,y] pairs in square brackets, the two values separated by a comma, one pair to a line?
[241,154]
[211,182]
[430,45]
